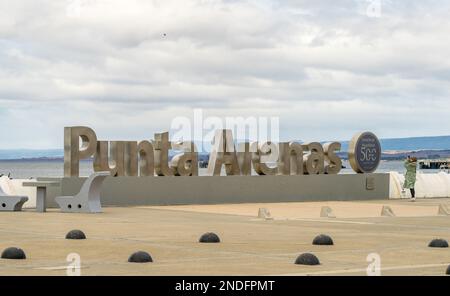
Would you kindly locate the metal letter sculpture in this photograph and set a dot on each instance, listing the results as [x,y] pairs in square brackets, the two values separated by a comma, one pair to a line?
[131,158]
[186,163]
[334,162]
[146,159]
[161,146]
[267,153]
[223,153]
[244,155]
[313,162]
[72,151]
[123,160]
[291,159]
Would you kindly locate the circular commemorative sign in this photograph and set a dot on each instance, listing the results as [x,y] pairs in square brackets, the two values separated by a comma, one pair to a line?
[364,153]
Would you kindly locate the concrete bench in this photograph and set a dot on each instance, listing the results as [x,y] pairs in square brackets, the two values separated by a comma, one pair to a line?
[9,201]
[88,199]
[41,192]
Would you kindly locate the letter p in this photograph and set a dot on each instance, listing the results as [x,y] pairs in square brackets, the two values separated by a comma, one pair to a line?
[74,152]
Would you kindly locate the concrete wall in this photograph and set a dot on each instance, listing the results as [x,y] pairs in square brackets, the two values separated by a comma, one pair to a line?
[126,191]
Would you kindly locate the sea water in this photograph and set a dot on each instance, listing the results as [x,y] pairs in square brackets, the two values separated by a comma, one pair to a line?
[25,169]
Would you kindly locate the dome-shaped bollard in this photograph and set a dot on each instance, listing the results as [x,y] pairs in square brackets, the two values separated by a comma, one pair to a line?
[140,257]
[13,253]
[438,243]
[75,234]
[307,259]
[209,237]
[323,240]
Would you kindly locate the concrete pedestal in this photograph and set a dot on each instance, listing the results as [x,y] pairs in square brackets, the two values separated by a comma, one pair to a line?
[138,191]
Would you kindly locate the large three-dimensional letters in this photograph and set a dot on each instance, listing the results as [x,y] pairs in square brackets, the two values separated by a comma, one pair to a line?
[150,158]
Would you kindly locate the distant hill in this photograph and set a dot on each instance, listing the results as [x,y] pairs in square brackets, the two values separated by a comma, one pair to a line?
[412,144]
[30,153]
[398,144]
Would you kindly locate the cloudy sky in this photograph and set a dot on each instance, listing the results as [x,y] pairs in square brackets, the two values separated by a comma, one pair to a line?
[326,68]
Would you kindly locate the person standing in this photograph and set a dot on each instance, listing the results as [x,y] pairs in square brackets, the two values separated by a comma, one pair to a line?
[410,176]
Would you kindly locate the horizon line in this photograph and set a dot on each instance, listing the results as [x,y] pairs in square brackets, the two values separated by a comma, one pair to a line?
[341,141]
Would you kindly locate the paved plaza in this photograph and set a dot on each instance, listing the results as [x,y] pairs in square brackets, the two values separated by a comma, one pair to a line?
[250,246]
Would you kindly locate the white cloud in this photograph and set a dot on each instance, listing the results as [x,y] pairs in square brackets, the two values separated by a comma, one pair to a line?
[127,68]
